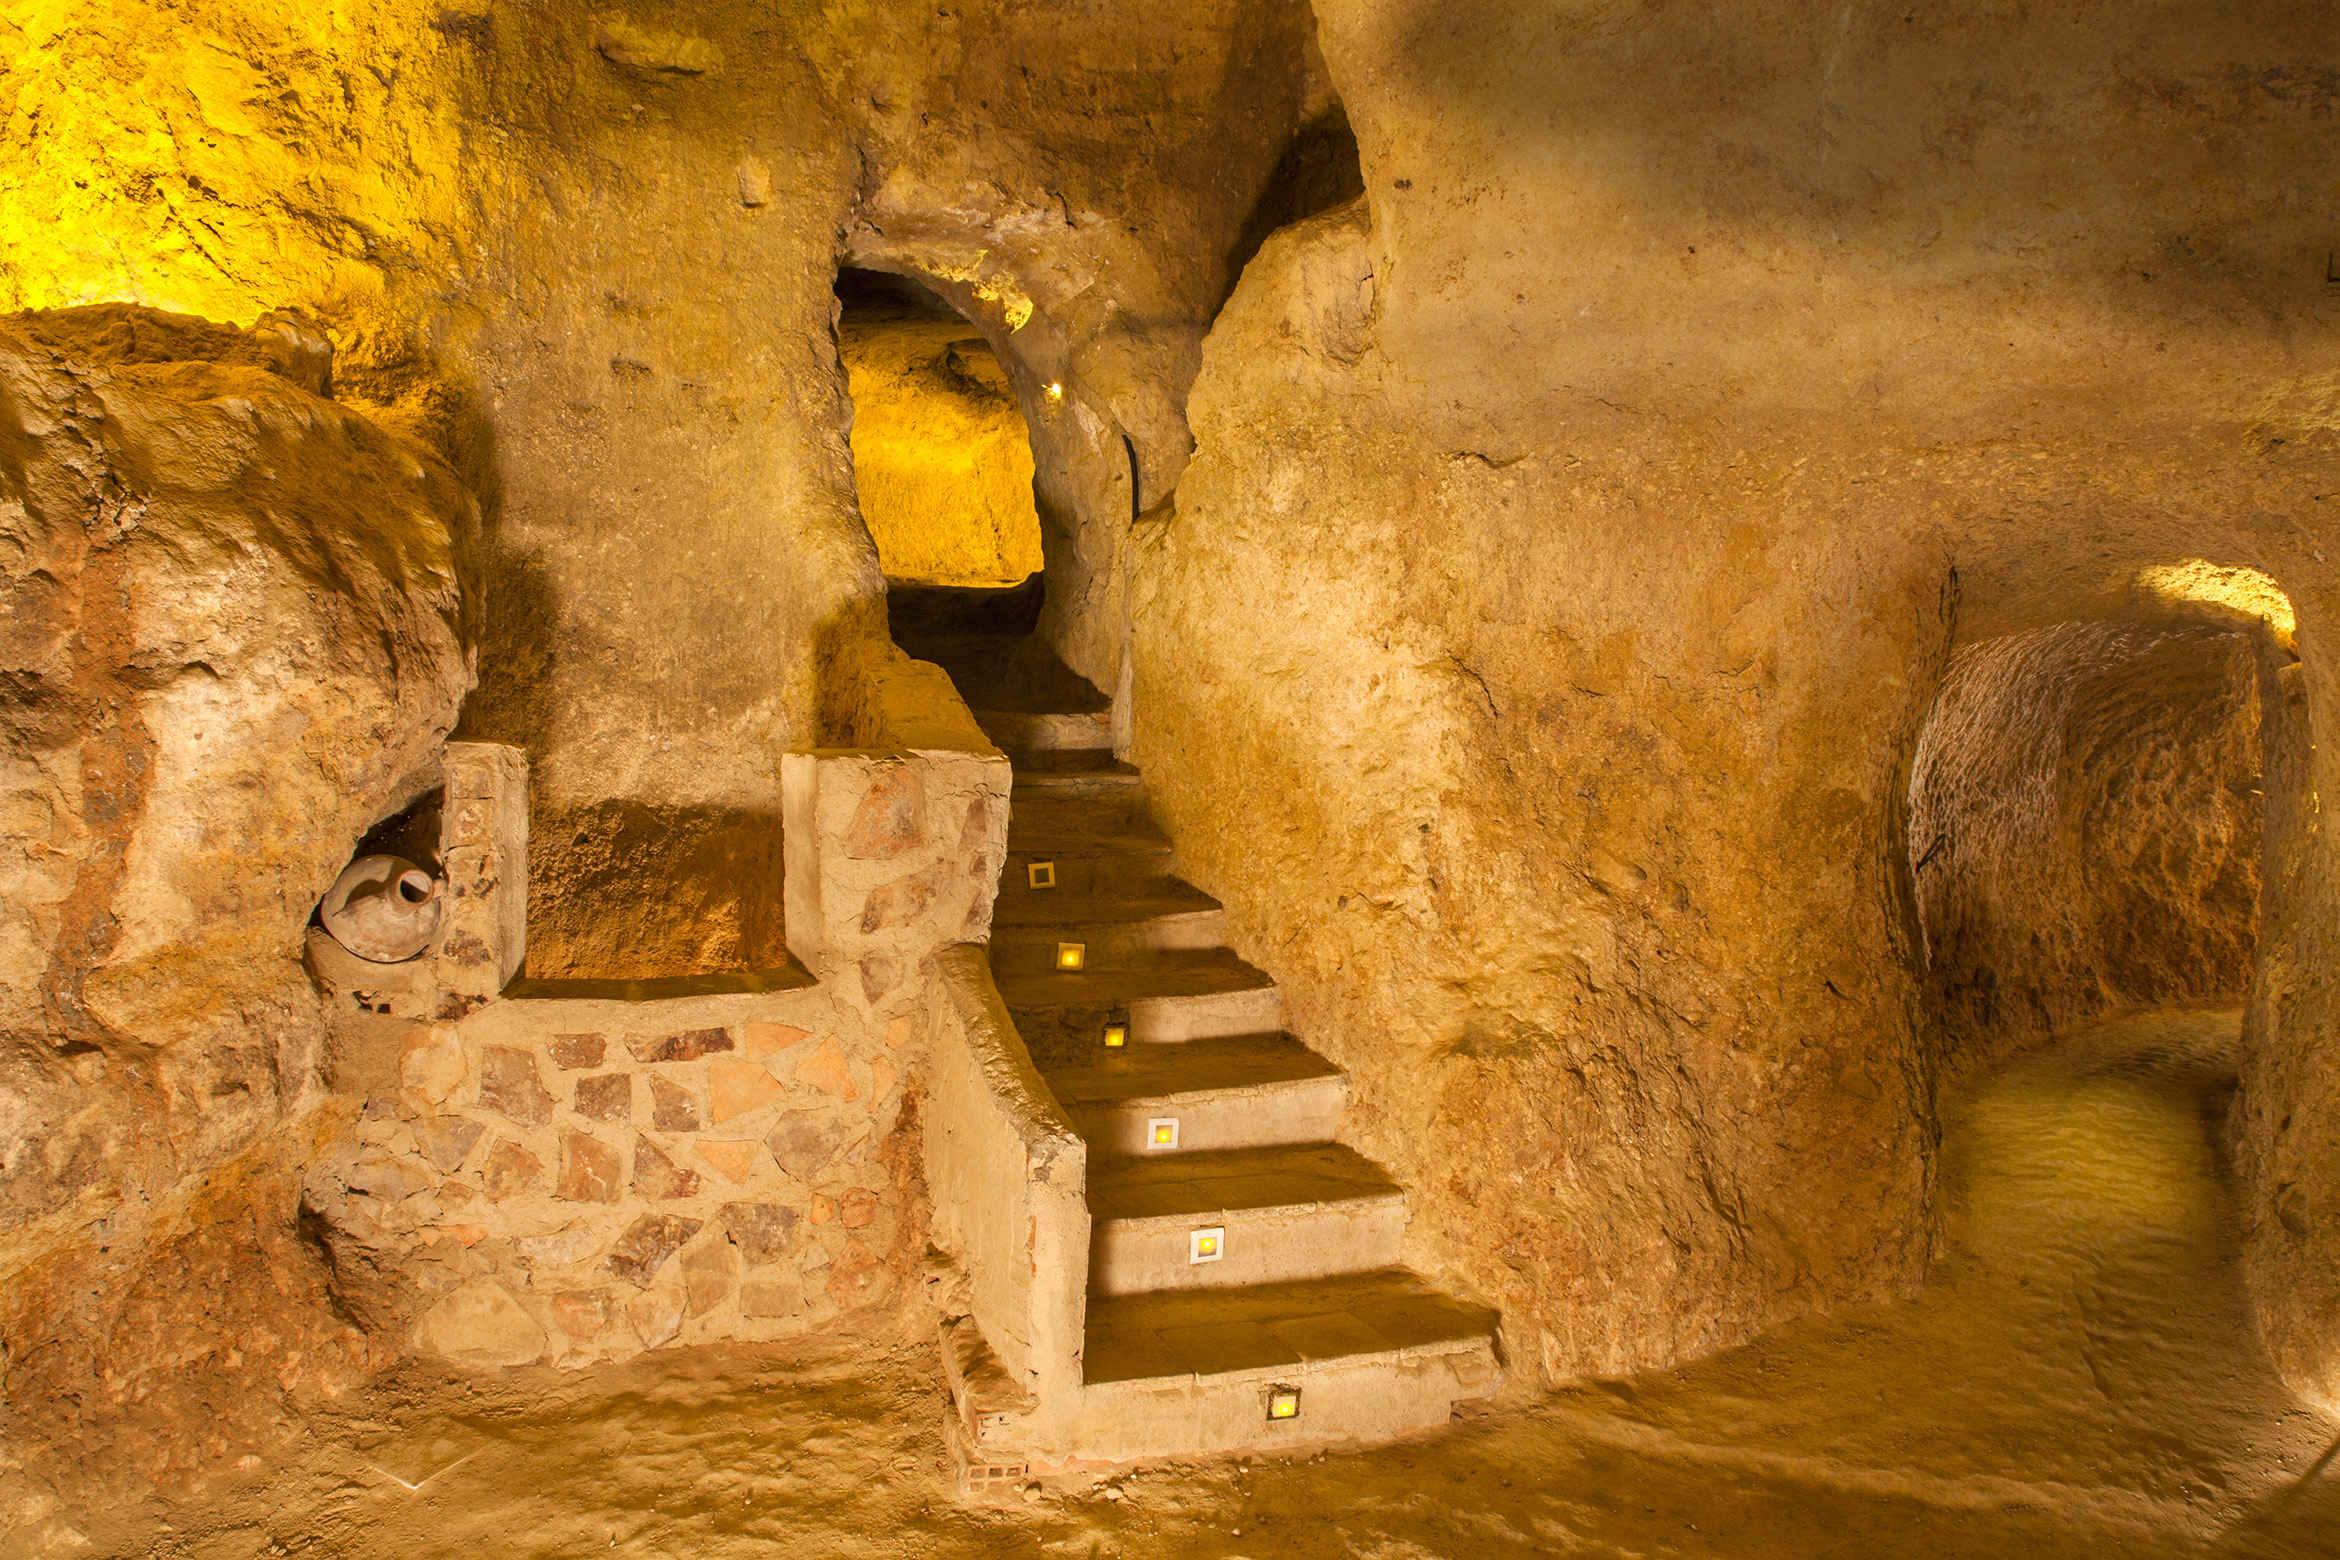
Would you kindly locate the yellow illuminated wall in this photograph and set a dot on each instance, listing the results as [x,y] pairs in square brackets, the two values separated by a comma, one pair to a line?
[233,157]
[2242,592]
[941,458]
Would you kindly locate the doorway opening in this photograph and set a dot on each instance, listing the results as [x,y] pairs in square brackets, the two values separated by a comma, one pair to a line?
[943,468]
[2087,822]
[2084,827]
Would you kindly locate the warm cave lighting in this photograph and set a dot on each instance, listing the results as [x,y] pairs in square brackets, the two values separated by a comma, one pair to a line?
[1116,1034]
[1162,1132]
[1283,1403]
[1071,956]
[1206,1245]
[2243,592]
[1056,392]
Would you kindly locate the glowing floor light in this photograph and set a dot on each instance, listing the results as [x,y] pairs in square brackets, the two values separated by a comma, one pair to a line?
[1206,1245]
[1162,1132]
[1116,1033]
[1071,956]
[1283,1403]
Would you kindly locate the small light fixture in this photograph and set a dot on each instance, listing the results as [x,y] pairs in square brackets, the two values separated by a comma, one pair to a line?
[1283,1403]
[1162,1132]
[1116,1033]
[1071,956]
[1056,392]
[1042,874]
[1206,1245]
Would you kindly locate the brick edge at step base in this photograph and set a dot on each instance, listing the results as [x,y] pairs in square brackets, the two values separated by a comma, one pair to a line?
[1357,1401]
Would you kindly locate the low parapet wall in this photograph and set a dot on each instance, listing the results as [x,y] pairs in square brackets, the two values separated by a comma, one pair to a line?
[574,1171]
[1009,1178]
[571,1181]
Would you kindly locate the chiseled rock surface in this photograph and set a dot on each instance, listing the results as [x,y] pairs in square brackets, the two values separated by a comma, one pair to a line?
[1577,535]
[232,623]
[2085,828]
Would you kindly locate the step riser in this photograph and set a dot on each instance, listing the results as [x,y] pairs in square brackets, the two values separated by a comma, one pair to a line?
[1255,1012]
[1041,786]
[1065,1035]
[1047,733]
[1306,1111]
[1352,1400]
[1057,817]
[1120,875]
[1028,950]
[1267,1246]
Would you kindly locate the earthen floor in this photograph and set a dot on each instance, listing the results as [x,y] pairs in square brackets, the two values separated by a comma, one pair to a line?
[2077,1379]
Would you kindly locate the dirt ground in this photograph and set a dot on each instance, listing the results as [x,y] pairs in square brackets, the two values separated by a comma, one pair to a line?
[2078,1378]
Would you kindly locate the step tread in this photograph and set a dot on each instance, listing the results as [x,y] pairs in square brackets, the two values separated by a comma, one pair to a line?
[1234,1180]
[1054,731]
[1069,764]
[1173,1070]
[1042,907]
[1122,842]
[1169,972]
[1117,782]
[1210,1332]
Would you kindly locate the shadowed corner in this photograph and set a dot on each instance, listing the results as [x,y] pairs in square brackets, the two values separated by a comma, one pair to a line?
[1969,142]
[2309,1505]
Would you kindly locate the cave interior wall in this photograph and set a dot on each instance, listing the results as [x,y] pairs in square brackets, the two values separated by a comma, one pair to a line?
[1525,577]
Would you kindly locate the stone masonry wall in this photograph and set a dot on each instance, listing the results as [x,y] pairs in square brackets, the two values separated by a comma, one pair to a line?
[579,1181]
[574,1171]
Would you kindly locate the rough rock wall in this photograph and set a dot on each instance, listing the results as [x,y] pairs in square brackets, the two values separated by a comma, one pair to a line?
[638,892]
[2084,827]
[1576,537]
[1556,870]
[2286,1122]
[941,461]
[234,624]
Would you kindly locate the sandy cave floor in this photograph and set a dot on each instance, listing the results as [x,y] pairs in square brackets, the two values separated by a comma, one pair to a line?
[2078,1378]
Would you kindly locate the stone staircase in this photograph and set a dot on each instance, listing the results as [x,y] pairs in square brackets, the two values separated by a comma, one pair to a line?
[1245,1290]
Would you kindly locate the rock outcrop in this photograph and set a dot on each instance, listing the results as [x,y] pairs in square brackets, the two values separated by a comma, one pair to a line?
[234,624]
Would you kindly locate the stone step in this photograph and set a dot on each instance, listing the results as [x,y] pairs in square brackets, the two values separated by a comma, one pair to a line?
[1089,778]
[1062,907]
[1013,730]
[1070,763]
[1073,816]
[1176,994]
[1281,1213]
[1131,869]
[1231,1091]
[1030,947]
[1374,1356]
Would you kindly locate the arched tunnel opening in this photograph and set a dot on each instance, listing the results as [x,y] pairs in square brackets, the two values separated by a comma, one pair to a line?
[942,463]
[2086,837]
[2084,824]
[943,473]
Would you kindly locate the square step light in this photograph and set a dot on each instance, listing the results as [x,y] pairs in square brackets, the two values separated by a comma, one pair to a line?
[1041,873]
[1072,956]
[1162,1132]
[1116,1033]
[1206,1245]
[1283,1403]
